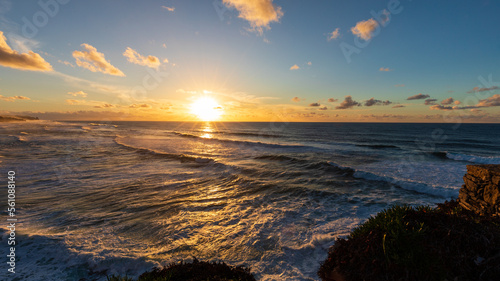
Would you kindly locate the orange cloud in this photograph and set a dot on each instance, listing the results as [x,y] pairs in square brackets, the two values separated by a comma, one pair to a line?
[260,13]
[73,102]
[334,34]
[94,61]
[294,67]
[447,101]
[14,98]
[490,102]
[24,61]
[79,93]
[385,69]
[134,57]
[478,89]
[296,99]
[66,63]
[365,29]
[170,9]
[143,106]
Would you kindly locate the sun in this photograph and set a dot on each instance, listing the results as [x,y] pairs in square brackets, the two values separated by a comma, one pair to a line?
[206,109]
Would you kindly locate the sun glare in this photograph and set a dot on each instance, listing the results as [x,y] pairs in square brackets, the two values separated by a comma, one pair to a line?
[206,109]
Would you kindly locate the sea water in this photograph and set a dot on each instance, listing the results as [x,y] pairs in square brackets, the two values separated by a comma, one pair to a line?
[100,198]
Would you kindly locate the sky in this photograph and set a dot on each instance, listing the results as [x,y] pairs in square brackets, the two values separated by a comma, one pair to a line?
[251,60]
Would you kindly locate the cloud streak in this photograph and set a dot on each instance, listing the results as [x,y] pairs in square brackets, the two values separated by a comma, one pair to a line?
[170,9]
[418,97]
[478,89]
[373,101]
[79,93]
[430,101]
[94,61]
[24,61]
[14,98]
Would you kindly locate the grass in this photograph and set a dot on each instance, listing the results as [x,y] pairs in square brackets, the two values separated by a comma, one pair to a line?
[423,243]
[193,271]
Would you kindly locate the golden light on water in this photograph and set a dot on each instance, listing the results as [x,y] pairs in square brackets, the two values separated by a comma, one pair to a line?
[206,109]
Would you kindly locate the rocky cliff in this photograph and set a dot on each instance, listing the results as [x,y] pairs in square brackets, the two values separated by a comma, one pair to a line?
[481,191]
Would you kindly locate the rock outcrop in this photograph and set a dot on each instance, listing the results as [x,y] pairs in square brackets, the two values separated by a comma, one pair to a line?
[481,191]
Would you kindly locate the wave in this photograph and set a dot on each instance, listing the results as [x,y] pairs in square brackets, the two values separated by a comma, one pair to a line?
[48,257]
[264,135]
[445,192]
[238,142]
[102,125]
[466,157]
[278,157]
[173,156]
[12,139]
[440,154]
[320,165]
[474,158]
[330,166]
[379,146]
[419,187]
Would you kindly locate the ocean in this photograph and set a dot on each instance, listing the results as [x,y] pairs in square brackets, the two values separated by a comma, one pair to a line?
[101,198]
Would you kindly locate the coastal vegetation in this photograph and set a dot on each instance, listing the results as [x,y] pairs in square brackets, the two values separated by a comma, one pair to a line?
[422,243]
[194,271]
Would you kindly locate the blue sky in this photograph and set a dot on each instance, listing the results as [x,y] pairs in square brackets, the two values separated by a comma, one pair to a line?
[257,59]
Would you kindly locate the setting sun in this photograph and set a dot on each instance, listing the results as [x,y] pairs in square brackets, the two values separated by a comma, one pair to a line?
[206,109]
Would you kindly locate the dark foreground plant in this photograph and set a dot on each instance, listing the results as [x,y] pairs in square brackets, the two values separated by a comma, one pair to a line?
[405,243]
[194,271]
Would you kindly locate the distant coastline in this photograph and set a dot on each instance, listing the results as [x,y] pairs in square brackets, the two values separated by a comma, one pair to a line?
[16,118]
